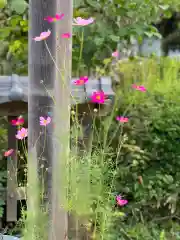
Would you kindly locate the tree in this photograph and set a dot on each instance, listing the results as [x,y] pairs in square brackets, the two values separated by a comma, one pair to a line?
[116,20]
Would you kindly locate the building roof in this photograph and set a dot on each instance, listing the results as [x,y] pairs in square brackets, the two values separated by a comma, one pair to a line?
[15,88]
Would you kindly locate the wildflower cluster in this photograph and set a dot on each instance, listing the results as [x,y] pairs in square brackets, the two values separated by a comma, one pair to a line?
[97,97]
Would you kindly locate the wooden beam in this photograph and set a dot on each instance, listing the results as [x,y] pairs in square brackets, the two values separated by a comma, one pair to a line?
[20,192]
[11,198]
[85,143]
[13,108]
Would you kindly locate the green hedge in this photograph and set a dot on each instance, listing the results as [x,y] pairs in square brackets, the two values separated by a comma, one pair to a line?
[150,148]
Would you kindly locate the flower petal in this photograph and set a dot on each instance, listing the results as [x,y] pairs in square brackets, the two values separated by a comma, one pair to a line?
[8,153]
[41,118]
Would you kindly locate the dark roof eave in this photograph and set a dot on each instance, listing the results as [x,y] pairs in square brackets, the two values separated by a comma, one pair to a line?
[15,88]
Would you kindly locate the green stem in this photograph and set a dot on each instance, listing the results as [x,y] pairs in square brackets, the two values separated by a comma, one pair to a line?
[80,53]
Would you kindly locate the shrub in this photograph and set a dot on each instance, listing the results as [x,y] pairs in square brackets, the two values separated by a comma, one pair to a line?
[147,149]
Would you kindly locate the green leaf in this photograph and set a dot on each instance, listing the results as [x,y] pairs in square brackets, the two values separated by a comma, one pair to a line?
[164,7]
[123,32]
[1,211]
[4,33]
[162,235]
[3,3]
[94,4]
[168,14]
[148,34]
[98,41]
[14,21]
[114,38]
[1,202]
[77,3]
[119,214]
[157,35]
[107,61]
[18,6]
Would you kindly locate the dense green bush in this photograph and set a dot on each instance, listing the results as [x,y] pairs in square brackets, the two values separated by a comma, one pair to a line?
[116,21]
[147,147]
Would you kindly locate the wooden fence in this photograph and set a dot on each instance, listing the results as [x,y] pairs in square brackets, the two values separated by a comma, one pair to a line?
[14,102]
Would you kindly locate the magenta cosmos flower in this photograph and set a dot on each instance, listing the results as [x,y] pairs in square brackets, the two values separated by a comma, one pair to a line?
[139,87]
[44,121]
[22,133]
[122,119]
[81,80]
[54,19]
[98,97]
[17,122]
[82,22]
[120,201]
[115,54]
[66,35]
[8,153]
[43,36]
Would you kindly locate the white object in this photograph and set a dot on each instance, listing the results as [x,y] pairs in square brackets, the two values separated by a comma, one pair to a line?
[8,237]
[151,46]
[174,54]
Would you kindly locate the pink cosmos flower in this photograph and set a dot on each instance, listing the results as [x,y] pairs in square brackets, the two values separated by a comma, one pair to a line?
[54,19]
[120,201]
[98,97]
[44,122]
[66,35]
[139,87]
[17,122]
[82,22]
[22,133]
[43,36]
[122,119]
[8,153]
[115,54]
[81,80]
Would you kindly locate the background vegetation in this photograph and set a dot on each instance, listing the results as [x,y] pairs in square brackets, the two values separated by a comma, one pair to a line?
[147,173]
[116,21]
[142,157]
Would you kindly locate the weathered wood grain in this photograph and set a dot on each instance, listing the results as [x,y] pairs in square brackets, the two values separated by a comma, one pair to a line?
[11,207]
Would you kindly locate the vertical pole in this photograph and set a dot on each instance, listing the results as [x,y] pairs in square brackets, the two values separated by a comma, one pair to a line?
[41,81]
[85,144]
[62,123]
[47,148]
[11,205]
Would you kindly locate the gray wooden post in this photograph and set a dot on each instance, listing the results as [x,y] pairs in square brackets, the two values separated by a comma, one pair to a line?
[85,143]
[42,72]
[59,228]
[11,206]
